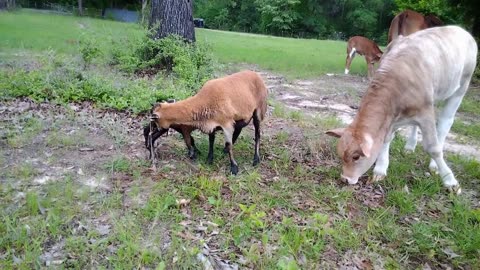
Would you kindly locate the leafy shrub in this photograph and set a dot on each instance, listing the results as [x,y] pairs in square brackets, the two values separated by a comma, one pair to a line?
[190,63]
[60,81]
[88,50]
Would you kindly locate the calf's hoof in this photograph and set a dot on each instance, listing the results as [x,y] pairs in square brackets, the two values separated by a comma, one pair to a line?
[377,178]
[456,190]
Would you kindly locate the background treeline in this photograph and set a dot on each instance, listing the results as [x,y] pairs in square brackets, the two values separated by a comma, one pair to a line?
[323,19]
[327,19]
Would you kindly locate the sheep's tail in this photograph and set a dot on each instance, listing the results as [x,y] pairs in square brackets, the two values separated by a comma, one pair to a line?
[262,99]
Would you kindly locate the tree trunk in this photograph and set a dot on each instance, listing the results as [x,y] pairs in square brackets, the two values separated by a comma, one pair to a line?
[80,7]
[3,4]
[173,17]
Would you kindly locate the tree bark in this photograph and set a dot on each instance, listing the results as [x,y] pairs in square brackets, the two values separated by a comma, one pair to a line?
[80,7]
[3,4]
[173,17]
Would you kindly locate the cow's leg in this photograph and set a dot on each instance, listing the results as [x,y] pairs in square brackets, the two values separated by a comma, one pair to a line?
[228,133]
[348,62]
[412,139]
[434,149]
[445,120]
[381,165]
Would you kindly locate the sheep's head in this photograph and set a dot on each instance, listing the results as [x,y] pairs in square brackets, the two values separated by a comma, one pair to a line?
[153,127]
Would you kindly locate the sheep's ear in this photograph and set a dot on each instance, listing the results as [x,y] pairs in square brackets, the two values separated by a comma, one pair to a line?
[338,132]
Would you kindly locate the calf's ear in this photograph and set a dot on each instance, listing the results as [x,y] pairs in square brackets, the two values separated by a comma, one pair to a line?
[367,145]
[338,132]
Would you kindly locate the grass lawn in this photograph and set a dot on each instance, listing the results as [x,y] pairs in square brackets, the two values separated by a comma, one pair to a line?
[77,190]
[295,58]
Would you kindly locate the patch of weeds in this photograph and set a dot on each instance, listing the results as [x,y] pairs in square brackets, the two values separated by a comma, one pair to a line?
[23,171]
[281,137]
[32,203]
[247,224]
[470,130]
[383,224]
[305,240]
[295,115]
[402,200]
[26,133]
[119,164]
[325,123]
[160,205]
[279,110]
[345,236]
[60,139]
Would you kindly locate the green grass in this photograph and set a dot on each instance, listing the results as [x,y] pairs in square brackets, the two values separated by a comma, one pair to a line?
[32,31]
[295,58]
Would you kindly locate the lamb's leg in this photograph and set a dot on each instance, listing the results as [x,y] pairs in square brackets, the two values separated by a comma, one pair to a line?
[256,124]
[211,141]
[381,165]
[432,146]
[228,132]
[445,121]
[412,140]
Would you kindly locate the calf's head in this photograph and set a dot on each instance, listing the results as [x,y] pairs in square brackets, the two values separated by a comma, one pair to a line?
[357,150]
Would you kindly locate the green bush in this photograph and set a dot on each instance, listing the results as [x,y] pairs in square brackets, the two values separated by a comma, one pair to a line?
[190,63]
[61,82]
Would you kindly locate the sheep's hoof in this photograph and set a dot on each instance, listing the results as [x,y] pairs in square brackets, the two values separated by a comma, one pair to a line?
[210,160]
[192,156]
[234,169]
[256,160]
[225,150]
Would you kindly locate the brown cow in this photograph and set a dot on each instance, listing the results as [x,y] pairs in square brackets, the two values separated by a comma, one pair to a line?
[409,21]
[365,47]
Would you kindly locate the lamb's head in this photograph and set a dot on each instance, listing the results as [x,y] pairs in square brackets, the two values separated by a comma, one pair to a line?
[358,152]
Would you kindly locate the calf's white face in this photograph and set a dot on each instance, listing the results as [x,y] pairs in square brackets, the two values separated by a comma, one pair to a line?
[358,153]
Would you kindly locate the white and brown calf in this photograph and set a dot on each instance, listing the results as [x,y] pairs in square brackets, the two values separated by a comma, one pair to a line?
[421,70]
[366,47]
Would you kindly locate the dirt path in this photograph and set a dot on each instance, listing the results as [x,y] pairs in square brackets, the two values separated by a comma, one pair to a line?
[338,95]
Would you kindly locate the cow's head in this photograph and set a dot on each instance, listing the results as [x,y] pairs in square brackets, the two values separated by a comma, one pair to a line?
[357,150]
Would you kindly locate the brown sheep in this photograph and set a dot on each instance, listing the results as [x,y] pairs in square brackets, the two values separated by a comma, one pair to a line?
[227,104]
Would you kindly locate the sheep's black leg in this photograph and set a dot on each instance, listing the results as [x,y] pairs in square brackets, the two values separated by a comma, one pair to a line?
[192,153]
[228,139]
[236,133]
[256,123]
[211,141]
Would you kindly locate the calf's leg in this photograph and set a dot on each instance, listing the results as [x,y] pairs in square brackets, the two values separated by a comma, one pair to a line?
[435,150]
[381,165]
[412,139]
[445,120]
